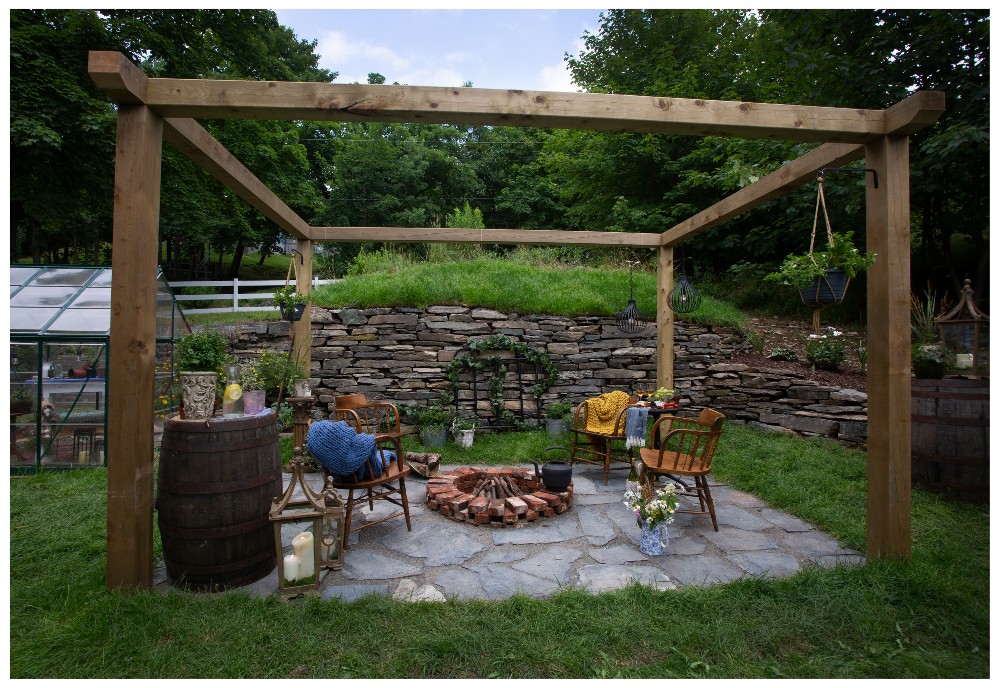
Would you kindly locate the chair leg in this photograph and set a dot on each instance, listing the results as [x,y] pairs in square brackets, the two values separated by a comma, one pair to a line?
[406,503]
[708,500]
[349,509]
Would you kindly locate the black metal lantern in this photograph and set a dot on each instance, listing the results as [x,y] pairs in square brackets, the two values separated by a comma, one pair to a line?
[630,319]
[683,298]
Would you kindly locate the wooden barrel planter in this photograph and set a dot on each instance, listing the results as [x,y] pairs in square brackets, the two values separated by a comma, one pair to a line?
[215,483]
[950,437]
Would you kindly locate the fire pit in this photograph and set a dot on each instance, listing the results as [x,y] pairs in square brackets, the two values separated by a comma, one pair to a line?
[496,496]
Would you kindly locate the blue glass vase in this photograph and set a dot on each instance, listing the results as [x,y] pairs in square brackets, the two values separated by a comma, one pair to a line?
[651,543]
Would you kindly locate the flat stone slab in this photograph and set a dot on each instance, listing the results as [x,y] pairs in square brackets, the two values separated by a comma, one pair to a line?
[596,499]
[505,555]
[599,578]
[552,564]
[491,582]
[407,591]
[426,541]
[786,522]
[350,593]
[734,540]
[362,564]
[582,485]
[685,546]
[703,569]
[619,554]
[739,517]
[770,564]
[543,531]
[722,493]
[597,527]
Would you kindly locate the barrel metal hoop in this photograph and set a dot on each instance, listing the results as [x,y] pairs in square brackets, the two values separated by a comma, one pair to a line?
[224,568]
[218,488]
[199,446]
[182,533]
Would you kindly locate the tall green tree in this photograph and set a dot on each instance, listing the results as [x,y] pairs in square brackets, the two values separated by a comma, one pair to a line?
[62,128]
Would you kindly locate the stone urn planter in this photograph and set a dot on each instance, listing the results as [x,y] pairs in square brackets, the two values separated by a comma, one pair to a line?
[198,394]
[464,438]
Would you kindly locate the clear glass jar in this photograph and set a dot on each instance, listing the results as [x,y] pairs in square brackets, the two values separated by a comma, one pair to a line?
[232,398]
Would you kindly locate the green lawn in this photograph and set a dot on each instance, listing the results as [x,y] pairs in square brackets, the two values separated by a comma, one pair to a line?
[921,618]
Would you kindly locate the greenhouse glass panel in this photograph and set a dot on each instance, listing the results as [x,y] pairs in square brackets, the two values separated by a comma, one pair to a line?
[60,320]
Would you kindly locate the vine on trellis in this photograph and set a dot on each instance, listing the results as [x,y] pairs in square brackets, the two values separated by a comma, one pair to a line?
[475,361]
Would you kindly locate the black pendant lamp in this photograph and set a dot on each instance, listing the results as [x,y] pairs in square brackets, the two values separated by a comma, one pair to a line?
[684,298]
[630,320]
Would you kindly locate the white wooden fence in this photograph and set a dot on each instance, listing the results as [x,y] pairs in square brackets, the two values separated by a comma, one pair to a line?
[230,291]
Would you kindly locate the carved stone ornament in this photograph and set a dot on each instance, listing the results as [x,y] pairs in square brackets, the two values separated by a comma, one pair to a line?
[198,394]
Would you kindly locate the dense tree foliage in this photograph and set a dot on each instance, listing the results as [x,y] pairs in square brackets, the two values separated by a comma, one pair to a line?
[376,174]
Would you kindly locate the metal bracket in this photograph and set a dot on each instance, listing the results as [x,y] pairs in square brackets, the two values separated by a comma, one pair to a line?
[302,258]
[821,170]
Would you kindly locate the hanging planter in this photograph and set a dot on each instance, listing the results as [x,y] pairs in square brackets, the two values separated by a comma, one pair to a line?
[822,277]
[827,289]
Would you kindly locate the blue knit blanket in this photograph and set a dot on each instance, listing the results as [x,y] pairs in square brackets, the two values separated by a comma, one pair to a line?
[345,453]
[635,426]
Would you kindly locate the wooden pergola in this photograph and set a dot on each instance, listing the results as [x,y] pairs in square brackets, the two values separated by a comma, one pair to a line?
[150,110]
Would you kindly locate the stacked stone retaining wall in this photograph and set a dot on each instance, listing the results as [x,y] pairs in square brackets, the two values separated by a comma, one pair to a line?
[401,355]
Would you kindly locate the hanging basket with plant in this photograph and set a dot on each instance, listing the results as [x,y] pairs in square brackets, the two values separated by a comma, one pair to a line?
[822,277]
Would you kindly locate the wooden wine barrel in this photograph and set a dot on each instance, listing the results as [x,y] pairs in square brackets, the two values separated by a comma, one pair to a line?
[950,437]
[215,483]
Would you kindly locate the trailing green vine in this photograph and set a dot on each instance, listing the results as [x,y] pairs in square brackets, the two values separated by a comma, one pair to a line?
[475,361]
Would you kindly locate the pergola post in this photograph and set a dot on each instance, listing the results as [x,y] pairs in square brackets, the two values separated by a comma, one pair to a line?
[888,221]
[303,327]
[132,355]
[664,318]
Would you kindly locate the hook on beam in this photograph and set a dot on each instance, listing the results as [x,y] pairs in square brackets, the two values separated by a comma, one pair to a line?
[821,170]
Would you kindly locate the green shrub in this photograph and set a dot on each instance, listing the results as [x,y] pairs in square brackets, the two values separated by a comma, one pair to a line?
[204,351]
[275,369]
[825,352]
[780,353]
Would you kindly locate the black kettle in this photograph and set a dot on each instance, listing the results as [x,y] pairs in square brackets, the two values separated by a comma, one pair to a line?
[555,475]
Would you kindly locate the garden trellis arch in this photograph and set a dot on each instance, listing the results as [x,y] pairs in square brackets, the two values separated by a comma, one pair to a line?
[150,110]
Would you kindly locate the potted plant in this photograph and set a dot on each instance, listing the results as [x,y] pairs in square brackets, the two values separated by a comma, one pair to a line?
[930,361]
[253,388]
[464,431]
[200,357]
[432,421]
[555,417]
[277,371]
[292,303]
[21,401]
[822,277]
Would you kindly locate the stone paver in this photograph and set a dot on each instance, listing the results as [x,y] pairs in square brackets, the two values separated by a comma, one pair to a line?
[594,546]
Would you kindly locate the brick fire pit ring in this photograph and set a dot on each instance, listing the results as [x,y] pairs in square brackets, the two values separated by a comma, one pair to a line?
[451,493]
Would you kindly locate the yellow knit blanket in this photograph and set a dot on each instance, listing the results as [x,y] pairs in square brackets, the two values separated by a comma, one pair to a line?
[602,412]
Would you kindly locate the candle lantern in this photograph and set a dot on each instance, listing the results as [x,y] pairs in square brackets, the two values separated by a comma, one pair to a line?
[965,331]
[298,569]
[332,550]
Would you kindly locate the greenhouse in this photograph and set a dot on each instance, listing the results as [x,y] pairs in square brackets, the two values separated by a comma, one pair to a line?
[60,318]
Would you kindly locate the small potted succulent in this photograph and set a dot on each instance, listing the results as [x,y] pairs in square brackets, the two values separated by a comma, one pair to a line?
[555,417]
[464,431]
[200,358]
[291,302]
[822,277]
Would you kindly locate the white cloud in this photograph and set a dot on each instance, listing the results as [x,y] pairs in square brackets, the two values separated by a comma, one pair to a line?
[557,78]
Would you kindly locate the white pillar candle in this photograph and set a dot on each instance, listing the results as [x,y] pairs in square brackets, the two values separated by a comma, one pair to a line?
[291,566]
[303,544]
[963,360]
[84,455]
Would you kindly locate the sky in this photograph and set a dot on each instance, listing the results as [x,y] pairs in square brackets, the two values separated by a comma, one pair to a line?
[507,49]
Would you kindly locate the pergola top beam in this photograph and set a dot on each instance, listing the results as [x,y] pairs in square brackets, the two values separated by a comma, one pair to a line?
[220,99]
[536,237]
